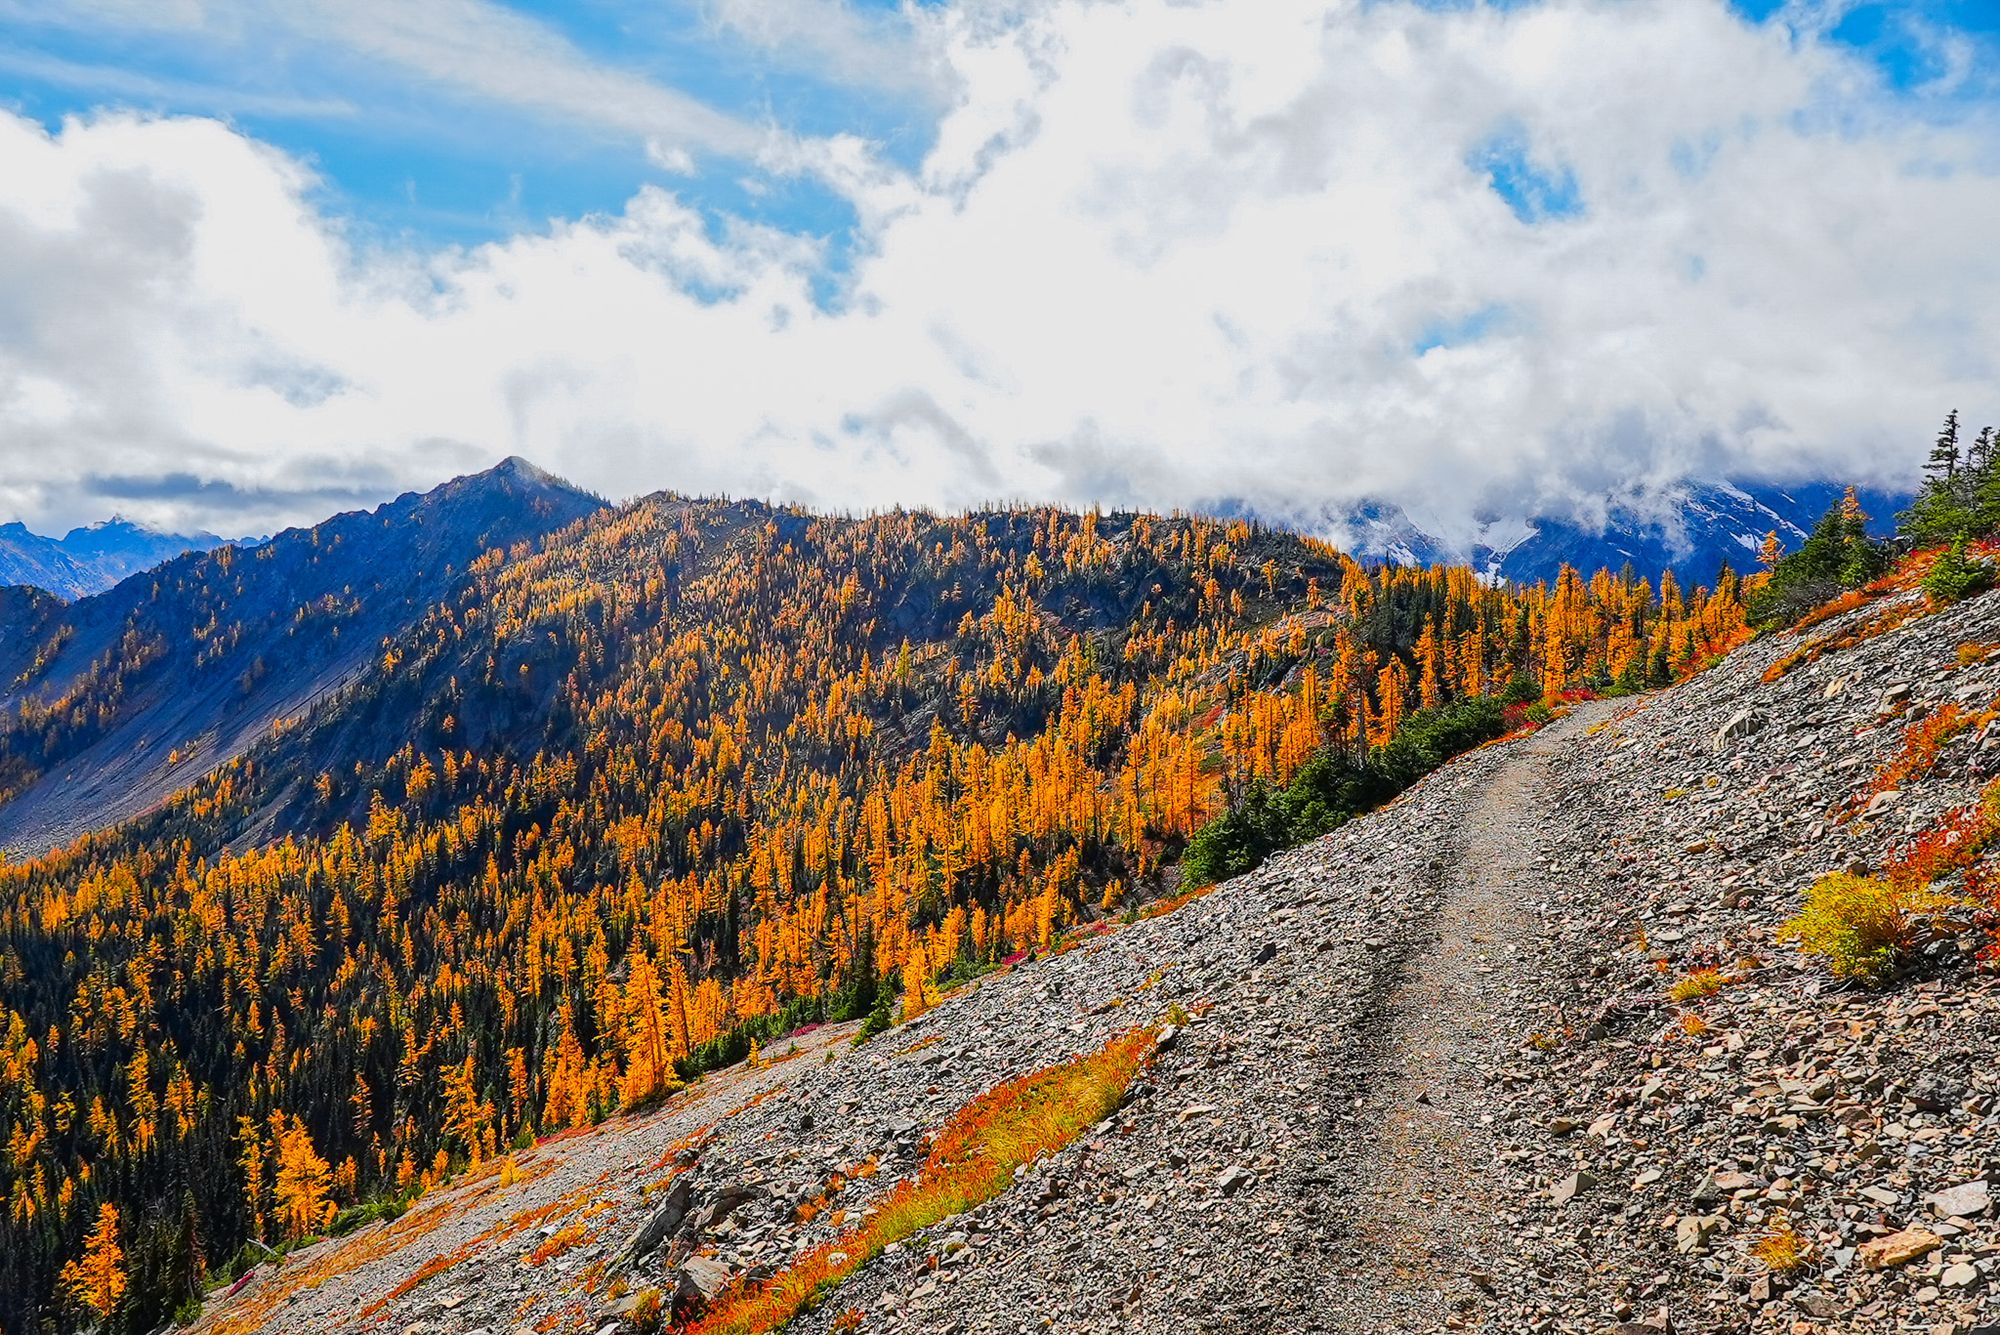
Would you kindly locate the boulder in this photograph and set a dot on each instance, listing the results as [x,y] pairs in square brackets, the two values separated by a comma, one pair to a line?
[704,1220]
[665,1220]
[698,1279]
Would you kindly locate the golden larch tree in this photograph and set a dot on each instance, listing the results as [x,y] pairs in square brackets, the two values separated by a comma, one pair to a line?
[304,1182]
[96,1279]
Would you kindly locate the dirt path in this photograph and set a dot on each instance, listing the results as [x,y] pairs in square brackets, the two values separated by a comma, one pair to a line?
[1425,1222]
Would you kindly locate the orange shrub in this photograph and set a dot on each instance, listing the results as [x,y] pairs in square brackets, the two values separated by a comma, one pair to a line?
[1977,651]
[1881,623]
[557,1243]
[1827,611]
[972,1161]
[1955,844]
[1922,742]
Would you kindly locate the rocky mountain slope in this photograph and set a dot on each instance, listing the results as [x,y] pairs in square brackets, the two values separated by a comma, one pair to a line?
[685,774]
[90,559]
[110,703]
[1427,1073]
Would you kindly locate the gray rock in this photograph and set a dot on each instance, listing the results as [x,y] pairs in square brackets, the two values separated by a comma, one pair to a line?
[1743,723]
[1576,1184]
[698,1279]
[665,1221]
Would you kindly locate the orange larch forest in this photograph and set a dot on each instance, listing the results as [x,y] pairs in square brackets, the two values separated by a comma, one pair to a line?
[680,777]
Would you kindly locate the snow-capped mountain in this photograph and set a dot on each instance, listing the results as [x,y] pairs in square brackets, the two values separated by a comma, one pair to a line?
[1691,531]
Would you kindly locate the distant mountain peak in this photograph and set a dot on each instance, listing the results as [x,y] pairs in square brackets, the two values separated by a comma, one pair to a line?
[1691,528]
[319,603]
[515,466]
[92,557]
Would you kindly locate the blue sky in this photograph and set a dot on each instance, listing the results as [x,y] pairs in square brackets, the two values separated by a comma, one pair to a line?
[417,158]
[413,158]
[1479,259]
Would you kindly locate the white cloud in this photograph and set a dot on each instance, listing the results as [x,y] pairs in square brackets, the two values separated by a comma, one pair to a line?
[832,39]
[477,50]
[493,52]
[107,79]
[1163,252]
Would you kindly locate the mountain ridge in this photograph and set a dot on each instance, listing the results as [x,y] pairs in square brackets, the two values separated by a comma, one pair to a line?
[91,558]
[1690,527]
[189,664]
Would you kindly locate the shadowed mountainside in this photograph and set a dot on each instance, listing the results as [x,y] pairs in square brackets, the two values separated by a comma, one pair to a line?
[115,700]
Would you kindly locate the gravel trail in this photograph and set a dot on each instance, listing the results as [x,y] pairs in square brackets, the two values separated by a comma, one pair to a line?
[1426,1222]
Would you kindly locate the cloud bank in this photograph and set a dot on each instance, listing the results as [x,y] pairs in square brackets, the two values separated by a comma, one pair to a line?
[1270,253]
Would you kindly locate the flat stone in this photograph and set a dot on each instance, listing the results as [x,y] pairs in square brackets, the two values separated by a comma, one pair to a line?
[1967,1200]
[1898,1249]
[1567,1190]
[1881,802]
[1691,1233]
[700,1278]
